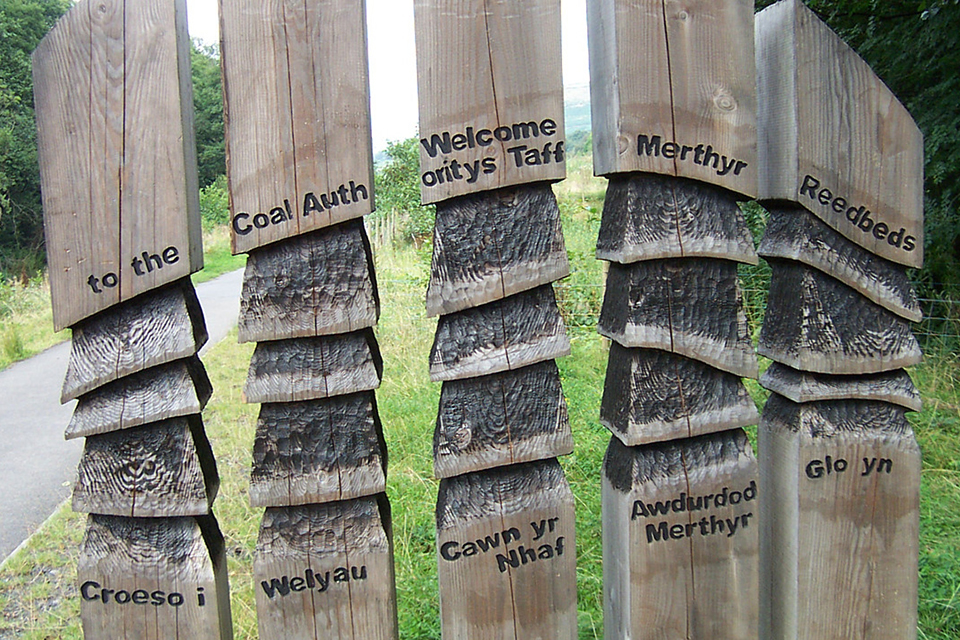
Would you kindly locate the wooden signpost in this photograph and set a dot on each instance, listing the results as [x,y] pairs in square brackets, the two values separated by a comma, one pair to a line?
[114,111]
[492,140]
[300,167]
[674,129]
[840,467]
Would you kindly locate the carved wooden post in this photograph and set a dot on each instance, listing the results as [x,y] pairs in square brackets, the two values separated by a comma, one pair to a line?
[674,128]
[300,167]
[491,121]
[840,467]
[114,111]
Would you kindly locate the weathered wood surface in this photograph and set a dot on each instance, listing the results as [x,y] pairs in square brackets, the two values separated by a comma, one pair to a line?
[690,307]
[815,323]
[152,578]
[321,283]
[314,368]
[695,89]
[491,245]
[680,539]
[318,451]
[153,329]
[326,571]
[834,138]
[491,95]
[160,470]
[172,390]
[507,557]
[296,95]
[648,217]
[502,419]
[793,233]
[801,386]
[652,396]
[839,521]
[504,335]
[114,108]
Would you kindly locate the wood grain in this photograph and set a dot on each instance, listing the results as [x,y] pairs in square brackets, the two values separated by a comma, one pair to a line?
[894,387]
[690,307]
[161,470]
[507,554]
[793,233]
[114,108]
[491,245]
[326,571]
[172,390]
[502,419]
[156,328]
[815,323]
[827,116]
[320,283]
[296,95]
[647,217]
[151,564]
[695,86]
[680,539]
[318,451]
[507,334]
[487,64]
[652,396]
[838,547]
[314,368]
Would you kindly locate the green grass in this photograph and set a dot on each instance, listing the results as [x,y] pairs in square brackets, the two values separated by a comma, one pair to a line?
[38,595]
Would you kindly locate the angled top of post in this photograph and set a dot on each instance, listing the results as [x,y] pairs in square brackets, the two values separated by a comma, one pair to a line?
[491,95]
[297,97]
[114,109]
[834,138]
[673,89]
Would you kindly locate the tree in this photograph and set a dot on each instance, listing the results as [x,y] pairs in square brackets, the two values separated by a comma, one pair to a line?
[208,112]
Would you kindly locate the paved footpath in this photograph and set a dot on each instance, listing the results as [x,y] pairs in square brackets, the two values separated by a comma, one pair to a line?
[37,466]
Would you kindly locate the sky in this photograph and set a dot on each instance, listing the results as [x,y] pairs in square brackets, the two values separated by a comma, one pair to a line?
[393,67]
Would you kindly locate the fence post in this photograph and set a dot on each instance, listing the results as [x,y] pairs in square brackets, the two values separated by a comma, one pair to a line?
[300,170]
[491,123]
[118,167]
[674,130]
[840,467]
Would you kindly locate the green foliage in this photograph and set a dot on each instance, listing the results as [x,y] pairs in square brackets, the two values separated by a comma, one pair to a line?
[208,112]
[215,204]
[398,192]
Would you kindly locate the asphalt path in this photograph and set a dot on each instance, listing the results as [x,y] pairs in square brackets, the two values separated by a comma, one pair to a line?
[37,466]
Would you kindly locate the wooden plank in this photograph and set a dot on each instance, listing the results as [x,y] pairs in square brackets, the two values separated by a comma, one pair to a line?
[114,109]
[321,283]
[318,451]
[793,233]
[815,323]
[648,217]
[172,390]
[502,419]
[500,336]
[494,244]
[690,108]
[326,571]
[839,521]
[690,307]
[148,331]
[652,396]
[296,94]
[894,387]
[680,539]
[491,95]
[507,556]
[153,578]
[314,368]
[161,470]
[834,138]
